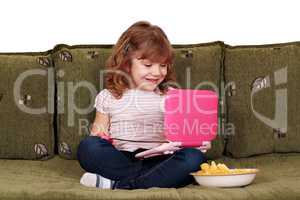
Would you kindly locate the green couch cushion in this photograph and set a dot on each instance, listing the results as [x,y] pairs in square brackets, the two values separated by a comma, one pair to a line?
[198,66]
[58,178]
[26,118]
[84,63]
[270,76]
[78,70]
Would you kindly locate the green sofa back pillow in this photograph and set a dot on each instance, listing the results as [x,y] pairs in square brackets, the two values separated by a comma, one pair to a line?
[269,77]
[198,66]
[26,106]
[78,70]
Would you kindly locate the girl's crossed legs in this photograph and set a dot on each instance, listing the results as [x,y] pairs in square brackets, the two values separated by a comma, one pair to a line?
[98,156]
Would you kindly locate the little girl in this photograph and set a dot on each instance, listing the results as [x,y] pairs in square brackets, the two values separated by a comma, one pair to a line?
[129,119]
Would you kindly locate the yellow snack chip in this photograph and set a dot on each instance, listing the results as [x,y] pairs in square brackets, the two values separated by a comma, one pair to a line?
[204,166]
[220,169]
[213,166]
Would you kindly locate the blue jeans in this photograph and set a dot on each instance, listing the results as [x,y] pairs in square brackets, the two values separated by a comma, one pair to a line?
[98,156]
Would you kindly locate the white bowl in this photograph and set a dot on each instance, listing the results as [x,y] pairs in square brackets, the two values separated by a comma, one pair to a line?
[226,180]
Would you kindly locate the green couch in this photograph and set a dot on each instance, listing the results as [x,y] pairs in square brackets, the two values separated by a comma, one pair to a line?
[46,105]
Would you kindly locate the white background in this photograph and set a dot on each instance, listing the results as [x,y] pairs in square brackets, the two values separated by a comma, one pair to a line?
[37,25]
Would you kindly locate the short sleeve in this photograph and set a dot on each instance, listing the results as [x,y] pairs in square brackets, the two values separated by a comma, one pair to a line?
[102,101]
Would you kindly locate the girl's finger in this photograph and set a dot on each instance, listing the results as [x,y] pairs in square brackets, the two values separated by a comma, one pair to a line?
[103,135]
[173,149]
[177,144]
[205,142]
[201,148]
[168,152]
[152,155]
[208,146]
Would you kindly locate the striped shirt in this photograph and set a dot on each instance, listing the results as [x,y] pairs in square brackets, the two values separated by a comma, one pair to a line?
[138,116]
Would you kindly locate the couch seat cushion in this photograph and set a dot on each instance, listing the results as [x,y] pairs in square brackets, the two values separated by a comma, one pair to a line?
[58,178]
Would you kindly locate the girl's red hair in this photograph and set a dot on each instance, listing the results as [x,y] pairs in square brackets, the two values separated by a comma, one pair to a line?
[150,42]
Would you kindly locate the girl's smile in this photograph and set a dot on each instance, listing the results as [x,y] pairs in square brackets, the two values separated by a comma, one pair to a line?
[147,75]
[154,81]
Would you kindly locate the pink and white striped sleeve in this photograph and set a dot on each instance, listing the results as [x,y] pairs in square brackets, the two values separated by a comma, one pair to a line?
[102,101]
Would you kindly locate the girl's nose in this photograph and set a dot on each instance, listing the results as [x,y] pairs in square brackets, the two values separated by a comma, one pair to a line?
[155,71]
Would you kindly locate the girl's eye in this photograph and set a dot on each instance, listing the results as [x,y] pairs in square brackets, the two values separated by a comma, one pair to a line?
[148,65]
[163,65]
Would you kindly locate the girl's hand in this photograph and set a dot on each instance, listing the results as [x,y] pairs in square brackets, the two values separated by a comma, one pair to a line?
[166,148]
[206,145]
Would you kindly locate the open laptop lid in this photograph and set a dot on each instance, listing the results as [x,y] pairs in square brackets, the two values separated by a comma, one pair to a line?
[191,116]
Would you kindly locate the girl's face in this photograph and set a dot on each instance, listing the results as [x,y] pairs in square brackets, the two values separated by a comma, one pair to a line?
[147,75]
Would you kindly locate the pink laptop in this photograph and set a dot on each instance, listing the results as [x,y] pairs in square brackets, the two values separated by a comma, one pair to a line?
[191,116]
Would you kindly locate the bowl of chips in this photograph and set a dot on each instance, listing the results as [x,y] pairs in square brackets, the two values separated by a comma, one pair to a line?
[219,175]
